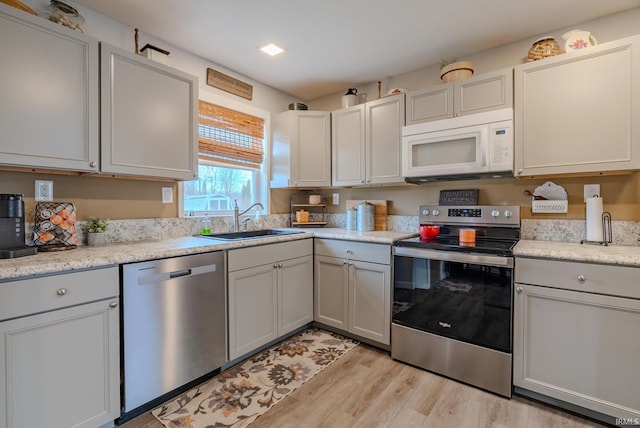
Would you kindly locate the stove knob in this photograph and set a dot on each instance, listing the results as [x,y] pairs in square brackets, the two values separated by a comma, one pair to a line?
[495,213]
[425,212]
[508,213]
[435,212]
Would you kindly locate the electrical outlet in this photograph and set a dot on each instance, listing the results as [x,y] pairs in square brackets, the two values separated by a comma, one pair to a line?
[44,191]
[591,190]
[336,199]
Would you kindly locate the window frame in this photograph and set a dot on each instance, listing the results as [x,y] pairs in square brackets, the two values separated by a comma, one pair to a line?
[262,175]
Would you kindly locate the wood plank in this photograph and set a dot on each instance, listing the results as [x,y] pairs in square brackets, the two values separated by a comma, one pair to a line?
[366,388]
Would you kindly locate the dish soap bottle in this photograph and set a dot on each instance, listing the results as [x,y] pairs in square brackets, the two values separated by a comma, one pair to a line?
[205,225]
[257,222]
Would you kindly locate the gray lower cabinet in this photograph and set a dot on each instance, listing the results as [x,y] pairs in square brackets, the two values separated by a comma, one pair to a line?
[59,353]
[270,293]
[575,335]
[148,117]
[352,288]
[49,87]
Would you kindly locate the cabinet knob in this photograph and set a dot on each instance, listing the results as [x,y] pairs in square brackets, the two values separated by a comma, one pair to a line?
[61,291]
[93,164]
[280,265]
[113,304]
[520,290]
[275,265]
[361,181]
[581,278]
[344,262]
[348,251]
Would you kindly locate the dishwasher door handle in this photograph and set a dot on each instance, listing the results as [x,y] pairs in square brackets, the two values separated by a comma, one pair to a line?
[157,278]
[179,273]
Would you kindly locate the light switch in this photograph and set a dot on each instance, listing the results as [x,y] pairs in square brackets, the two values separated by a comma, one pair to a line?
[167,195]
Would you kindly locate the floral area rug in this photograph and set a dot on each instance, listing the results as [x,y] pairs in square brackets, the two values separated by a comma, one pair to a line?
[240,394]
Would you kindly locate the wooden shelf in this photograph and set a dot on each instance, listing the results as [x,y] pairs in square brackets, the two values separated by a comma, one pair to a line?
[309,223]
[300,201]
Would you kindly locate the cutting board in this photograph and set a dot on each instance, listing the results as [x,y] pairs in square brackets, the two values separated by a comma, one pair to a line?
[379,211]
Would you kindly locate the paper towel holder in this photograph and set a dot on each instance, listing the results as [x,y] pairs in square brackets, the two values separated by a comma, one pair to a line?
[607,237]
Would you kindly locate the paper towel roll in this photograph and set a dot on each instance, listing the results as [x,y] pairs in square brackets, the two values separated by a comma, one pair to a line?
[594,219]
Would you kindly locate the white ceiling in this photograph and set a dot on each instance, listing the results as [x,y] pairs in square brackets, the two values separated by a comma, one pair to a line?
[334,44]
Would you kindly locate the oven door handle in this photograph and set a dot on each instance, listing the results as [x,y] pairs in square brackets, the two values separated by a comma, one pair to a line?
[451,256]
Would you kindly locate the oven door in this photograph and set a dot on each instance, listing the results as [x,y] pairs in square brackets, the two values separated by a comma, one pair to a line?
[467,297]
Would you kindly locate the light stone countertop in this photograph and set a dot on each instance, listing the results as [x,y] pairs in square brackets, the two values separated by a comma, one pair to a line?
[624,255]
[85,257]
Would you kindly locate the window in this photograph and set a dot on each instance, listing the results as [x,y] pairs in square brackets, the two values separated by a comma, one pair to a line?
[231,163]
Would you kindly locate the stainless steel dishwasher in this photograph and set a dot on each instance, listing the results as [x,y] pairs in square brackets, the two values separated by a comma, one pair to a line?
[173,325]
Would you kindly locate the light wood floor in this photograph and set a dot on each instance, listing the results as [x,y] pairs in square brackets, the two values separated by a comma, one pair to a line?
[366,388]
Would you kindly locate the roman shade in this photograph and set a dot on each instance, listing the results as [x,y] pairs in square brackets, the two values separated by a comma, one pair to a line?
[230,137]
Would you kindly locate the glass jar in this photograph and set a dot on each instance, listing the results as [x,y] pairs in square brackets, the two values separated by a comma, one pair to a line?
[543,48]
[65,14]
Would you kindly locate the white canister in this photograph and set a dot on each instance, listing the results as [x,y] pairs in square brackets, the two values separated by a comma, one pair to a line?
[365,216]
[351,219]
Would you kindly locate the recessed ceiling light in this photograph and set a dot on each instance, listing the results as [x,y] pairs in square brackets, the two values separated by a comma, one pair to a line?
[272,49]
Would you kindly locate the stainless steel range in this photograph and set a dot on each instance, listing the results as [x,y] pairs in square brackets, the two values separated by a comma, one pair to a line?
[452,300]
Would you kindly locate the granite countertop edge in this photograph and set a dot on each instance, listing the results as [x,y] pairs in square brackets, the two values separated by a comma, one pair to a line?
[85,257]
[623,255]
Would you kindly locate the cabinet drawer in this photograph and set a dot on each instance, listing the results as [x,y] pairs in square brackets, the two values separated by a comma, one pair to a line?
[32,295]
[374,253]
[244,258]
[602,279]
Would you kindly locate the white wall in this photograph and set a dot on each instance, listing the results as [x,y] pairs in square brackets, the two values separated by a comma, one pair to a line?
[605,29]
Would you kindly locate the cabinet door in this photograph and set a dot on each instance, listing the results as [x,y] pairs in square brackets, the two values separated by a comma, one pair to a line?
[295,294]
[301,149]
[490,91]
[252,309]
[384,119]
[370,301]
[331,292]
[149,117]
[61,368]
[425,105]
[311,156]
[348,146]
[578,347]
[577,112]
[49,86]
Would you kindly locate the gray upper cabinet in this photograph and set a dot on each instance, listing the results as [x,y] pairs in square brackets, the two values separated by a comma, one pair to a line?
[577,113]
[148,117]
[485,92]
[49,86]
[301,149]
[365,142]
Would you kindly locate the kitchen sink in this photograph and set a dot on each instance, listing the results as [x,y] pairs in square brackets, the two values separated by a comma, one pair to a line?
[250,234]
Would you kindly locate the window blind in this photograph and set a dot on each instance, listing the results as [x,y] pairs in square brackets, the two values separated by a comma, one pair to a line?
[230,137]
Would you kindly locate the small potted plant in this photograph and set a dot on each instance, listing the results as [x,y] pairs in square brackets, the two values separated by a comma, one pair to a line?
[95,229]
[452,69]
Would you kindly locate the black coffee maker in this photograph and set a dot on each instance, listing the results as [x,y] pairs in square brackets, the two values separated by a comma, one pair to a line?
[12,242]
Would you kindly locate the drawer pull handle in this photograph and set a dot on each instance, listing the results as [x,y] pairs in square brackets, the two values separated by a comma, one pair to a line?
[520,290]
[113,304]
[581,278]
[61,291]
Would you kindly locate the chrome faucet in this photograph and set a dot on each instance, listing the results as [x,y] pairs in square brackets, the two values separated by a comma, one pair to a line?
[237,213]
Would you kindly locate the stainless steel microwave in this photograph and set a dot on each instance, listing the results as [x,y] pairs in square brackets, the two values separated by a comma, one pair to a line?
[466,147]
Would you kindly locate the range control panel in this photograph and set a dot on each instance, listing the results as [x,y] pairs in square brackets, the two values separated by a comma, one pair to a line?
[481,215]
